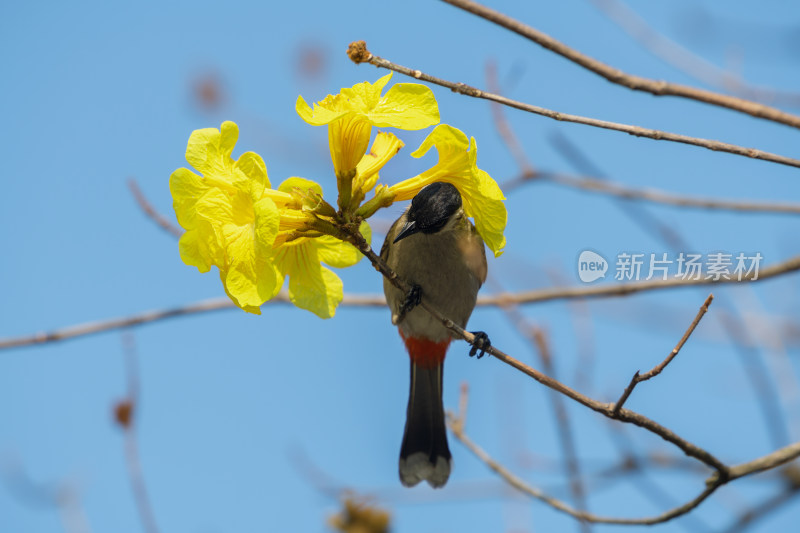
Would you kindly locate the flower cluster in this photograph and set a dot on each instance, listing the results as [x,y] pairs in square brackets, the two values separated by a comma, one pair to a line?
[257,236]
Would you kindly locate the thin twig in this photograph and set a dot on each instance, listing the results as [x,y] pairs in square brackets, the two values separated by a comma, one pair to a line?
[636,83]
[687,61]
[129,424]
[650,195]
[766,462]
[148,209]
[203,306]
[656,370]
[624,289]
[358,55]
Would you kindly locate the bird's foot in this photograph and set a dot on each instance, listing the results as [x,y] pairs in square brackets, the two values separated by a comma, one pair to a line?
[413,298]
[480,344]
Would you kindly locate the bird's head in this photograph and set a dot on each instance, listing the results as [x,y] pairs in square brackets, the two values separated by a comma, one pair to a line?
[431,210]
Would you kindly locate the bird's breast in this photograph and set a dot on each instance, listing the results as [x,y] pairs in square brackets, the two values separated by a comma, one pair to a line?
[449,266]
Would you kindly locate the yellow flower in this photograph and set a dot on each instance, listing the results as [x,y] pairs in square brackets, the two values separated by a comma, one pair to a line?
[230,218]
[482,197]
[311,285]
[351,114]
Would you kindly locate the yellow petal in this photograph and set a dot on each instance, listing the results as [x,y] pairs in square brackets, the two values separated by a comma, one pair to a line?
[408,106]
[195,251]
[320,114]
[311,286]
[254,309]
[251,284]
[320,292]
[250,169]
[365,96]
[385,146]
[340,254]
[186,188]
[209,149]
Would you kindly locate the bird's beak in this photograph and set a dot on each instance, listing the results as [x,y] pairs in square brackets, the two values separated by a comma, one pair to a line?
[410,228]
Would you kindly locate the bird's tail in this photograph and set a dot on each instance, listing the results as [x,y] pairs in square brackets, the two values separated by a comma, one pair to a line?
[424,453]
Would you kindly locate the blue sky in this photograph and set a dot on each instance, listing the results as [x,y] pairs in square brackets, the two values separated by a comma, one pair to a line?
[236,408]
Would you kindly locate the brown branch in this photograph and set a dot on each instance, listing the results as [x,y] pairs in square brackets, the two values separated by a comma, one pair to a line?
[148,209]
[650,195]
[624,289]
[766,462]
[516,482]
[656,370]
[636,83]
[370,300]
[685,60]
[204,306]
[358,51]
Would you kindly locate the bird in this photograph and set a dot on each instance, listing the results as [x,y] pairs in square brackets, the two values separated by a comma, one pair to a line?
[434,248]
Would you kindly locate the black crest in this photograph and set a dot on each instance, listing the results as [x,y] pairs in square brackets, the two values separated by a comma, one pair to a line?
[430,209]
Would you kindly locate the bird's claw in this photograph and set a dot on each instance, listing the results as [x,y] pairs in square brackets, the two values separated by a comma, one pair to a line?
[413,298]
[480,344]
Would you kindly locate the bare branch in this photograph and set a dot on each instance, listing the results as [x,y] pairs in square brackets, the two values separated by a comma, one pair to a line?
[650,195]
[638,378]
[636,83]
[204,306]
[370,300]
[771,460]
[148,209]
[685,60]
[624,289]
[359,53]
